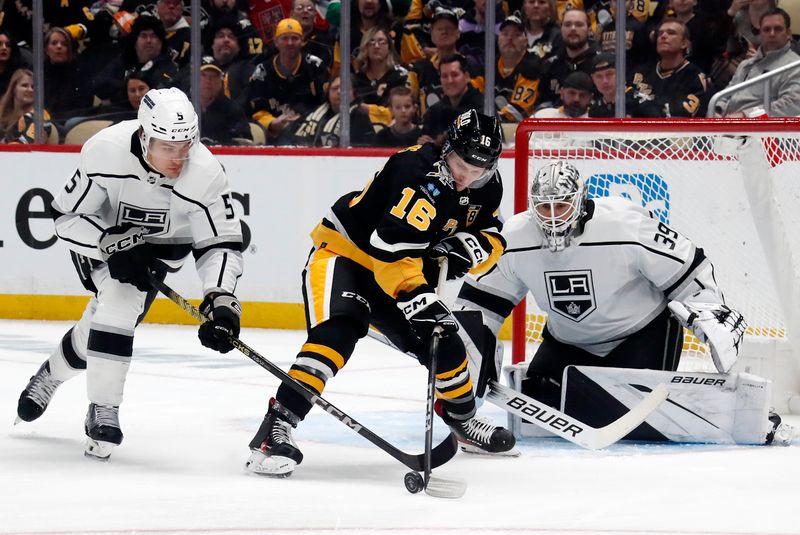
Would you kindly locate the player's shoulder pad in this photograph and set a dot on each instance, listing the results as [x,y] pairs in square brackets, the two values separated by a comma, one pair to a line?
[204,178]
[521,232]
[115,135]
[419,164]
[106,150]
[624,215]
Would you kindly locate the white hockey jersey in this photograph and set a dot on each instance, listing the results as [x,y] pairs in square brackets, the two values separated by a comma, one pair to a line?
[193,213]
[616,276]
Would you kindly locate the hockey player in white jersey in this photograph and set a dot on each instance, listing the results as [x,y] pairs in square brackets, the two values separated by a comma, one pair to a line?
[608,275]
[145,195]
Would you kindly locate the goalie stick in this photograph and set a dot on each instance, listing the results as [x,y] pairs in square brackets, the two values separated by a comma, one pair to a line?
[559,423]
[442,453]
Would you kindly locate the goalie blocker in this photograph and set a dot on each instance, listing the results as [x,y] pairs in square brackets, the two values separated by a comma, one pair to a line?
[702,407]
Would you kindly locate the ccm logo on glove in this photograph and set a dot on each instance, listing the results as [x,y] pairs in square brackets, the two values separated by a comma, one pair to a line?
[123,240]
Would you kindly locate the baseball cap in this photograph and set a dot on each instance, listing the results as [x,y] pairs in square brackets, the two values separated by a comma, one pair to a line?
[288,26]
[515,19]
[578,80]
[444,13]
[603,61]
[209,63]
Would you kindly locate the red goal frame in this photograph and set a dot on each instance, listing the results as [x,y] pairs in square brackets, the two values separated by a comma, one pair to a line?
[522,153]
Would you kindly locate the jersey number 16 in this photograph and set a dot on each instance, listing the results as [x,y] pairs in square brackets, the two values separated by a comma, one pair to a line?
[420,214]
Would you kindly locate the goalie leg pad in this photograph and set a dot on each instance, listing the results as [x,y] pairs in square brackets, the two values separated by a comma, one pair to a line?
[702,407]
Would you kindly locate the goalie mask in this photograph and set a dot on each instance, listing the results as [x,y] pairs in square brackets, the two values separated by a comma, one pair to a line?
[167,115]
[476,139]
[558,201]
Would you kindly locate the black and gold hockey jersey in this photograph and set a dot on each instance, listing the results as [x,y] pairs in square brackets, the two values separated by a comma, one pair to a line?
[269,89]
[681,92]
[516,91]
[409,206]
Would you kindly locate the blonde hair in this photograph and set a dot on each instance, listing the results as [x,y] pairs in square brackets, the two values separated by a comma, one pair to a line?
[10,111]
[361,61]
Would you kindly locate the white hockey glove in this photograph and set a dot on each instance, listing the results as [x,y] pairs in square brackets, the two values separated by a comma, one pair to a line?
[715,324]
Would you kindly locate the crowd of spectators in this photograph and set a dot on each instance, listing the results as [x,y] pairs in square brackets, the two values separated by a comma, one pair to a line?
[270,68]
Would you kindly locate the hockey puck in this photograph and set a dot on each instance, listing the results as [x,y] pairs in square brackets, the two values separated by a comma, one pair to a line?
[413,482]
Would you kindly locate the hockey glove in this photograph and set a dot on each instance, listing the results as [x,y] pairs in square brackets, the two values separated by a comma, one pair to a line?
[425,311]
[715,324]
[223,311]
[128,257]
[463,252]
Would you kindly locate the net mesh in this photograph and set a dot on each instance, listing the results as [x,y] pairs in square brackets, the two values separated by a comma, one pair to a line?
[693,182]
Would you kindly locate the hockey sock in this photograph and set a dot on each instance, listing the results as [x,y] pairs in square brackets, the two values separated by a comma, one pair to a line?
[453,382]
[326,351]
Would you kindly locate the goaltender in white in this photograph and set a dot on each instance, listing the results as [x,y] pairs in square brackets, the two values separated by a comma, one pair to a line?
[608,275]
[146,194]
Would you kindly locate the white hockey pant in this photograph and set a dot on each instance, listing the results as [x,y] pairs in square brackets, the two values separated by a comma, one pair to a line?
[103,339]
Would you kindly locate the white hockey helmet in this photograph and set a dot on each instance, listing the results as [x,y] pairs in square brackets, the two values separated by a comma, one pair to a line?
[558,202]
[168,115]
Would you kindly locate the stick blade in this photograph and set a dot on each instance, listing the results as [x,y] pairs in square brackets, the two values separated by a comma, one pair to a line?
[443,487]
[613,432]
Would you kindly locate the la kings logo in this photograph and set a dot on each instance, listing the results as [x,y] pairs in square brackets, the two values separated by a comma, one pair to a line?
[571,293]
[156,221]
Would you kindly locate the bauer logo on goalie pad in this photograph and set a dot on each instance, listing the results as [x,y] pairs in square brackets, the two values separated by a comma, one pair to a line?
[571,293]
[155,221]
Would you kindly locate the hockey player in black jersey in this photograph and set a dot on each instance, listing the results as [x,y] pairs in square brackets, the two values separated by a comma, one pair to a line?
[373,263]
[145,195]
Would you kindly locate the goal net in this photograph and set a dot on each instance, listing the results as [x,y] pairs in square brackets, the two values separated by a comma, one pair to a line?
[731,185]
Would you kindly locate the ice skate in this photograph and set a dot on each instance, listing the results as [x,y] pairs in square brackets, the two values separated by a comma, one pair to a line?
[37,394]
[103,433]
[278,454]
[479,435]
[781,433]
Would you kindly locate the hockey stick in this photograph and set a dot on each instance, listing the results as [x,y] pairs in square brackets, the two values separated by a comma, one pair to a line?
[570,428]
[559,423]
[435,486]
[439,455]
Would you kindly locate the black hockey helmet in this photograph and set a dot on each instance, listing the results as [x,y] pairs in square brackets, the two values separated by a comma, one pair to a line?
[476,138]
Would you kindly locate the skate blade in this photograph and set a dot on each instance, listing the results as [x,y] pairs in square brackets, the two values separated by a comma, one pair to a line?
[98,450]
[268,466]
[474,450]
[442,487]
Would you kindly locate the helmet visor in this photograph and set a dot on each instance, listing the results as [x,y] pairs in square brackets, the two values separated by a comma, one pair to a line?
[465,174]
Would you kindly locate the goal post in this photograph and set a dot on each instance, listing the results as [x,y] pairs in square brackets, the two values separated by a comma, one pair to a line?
[730,185]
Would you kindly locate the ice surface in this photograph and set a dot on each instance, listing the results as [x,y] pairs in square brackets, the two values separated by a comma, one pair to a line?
[189,414]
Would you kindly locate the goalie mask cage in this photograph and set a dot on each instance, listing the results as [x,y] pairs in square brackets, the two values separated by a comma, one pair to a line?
[731,185]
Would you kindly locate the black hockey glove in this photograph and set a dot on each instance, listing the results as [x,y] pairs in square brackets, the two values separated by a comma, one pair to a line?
[223,311]
[128,256]
[425,311]
[463,252]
